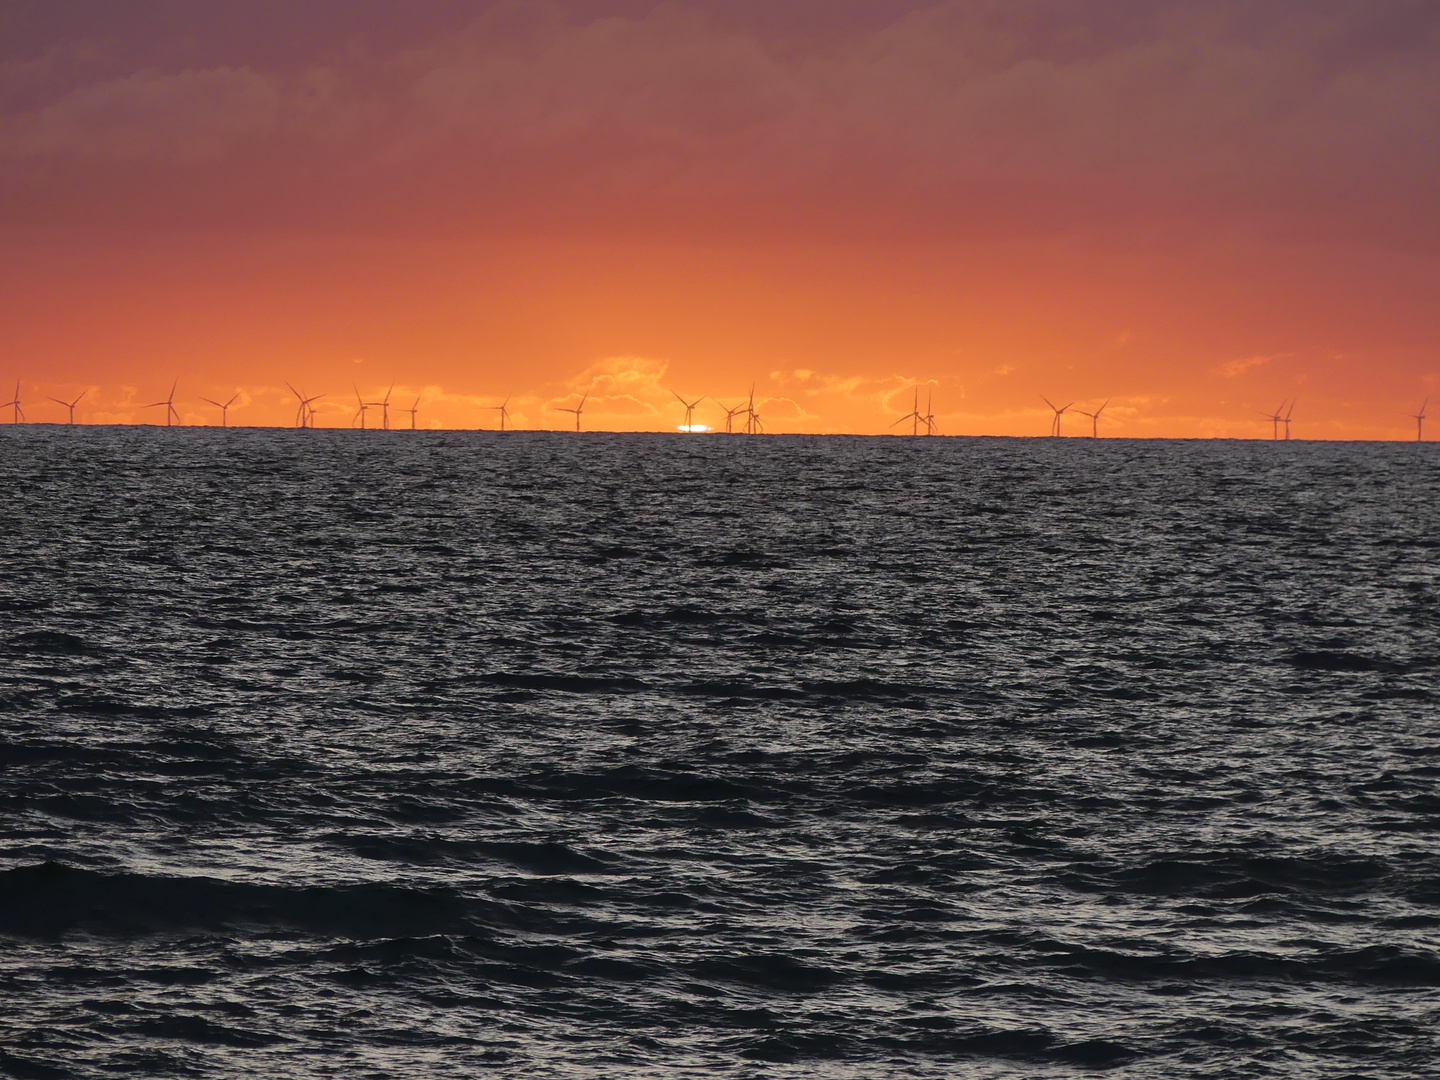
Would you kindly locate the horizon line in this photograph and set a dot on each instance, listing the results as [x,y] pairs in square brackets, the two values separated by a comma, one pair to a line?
[690,434]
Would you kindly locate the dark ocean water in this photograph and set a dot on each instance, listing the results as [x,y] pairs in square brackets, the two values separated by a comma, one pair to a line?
[422,754]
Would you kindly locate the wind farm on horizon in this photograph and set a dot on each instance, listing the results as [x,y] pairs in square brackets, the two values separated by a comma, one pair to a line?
[743,418]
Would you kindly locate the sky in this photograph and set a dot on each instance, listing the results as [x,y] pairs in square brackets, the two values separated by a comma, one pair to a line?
[1196,212]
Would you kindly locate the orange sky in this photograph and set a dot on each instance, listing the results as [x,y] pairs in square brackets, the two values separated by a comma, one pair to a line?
[1194,211]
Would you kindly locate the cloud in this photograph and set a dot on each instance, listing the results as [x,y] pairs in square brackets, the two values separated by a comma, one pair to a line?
[180,118]
[1233,368]
[960,117]
[621,388]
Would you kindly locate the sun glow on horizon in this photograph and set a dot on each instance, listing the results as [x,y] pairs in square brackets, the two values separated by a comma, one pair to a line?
[809,222]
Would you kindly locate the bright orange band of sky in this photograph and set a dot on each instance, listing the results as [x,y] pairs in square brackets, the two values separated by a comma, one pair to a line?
[1196,213]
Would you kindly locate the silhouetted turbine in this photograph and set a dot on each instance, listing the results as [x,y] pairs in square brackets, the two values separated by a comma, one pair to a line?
[930,426]
[360,412]
[305,414]
[383,405]
[70,404]
[689,408]
[412,411]
[577,410]
[169,404]
[1286,420]
[502,410]
[1094,419]
[730,415]
[1418,417]
[913,415]
[753,426]
[1055,425]
[224,409]
[14,403]
[1275,418]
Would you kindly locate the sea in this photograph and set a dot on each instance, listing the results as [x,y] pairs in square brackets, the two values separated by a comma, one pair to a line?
[427,754]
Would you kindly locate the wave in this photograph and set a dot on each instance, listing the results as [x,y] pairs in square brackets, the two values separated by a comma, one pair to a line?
[52,899]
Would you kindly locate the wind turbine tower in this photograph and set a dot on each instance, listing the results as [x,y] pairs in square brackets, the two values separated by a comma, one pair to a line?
[69,404]
[753,426]
[224,409]
[502,410]
[577,410]
[689,410]
[1276,419]
[412,411]
[1286,420]
[169,403]
[913,416]
[1059,412]
[930,426]
[1094,419]
[360,412]
[1418,417]
[305,414]
[14,403]
[730,415]
[384,406]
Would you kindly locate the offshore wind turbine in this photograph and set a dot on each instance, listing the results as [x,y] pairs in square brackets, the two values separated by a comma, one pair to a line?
[1419,417]
[19,413]
[913,415]
[1059,412]
[305,414]
[1094,419]
[224,409]
[360,412]
[69,404]
[1275,418]
[753,426]
[169,403]
[730,415]
[1286,420]
[412,411]
[929,417]
[689,408]
[383,405]
[577,410]
[502,410]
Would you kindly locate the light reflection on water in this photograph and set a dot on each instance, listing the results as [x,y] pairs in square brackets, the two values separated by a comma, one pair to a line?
[429,752]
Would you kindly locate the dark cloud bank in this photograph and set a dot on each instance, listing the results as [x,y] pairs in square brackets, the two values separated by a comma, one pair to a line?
[1305,119]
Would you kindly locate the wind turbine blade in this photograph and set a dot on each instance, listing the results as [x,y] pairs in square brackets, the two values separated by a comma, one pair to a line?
[1047,401]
